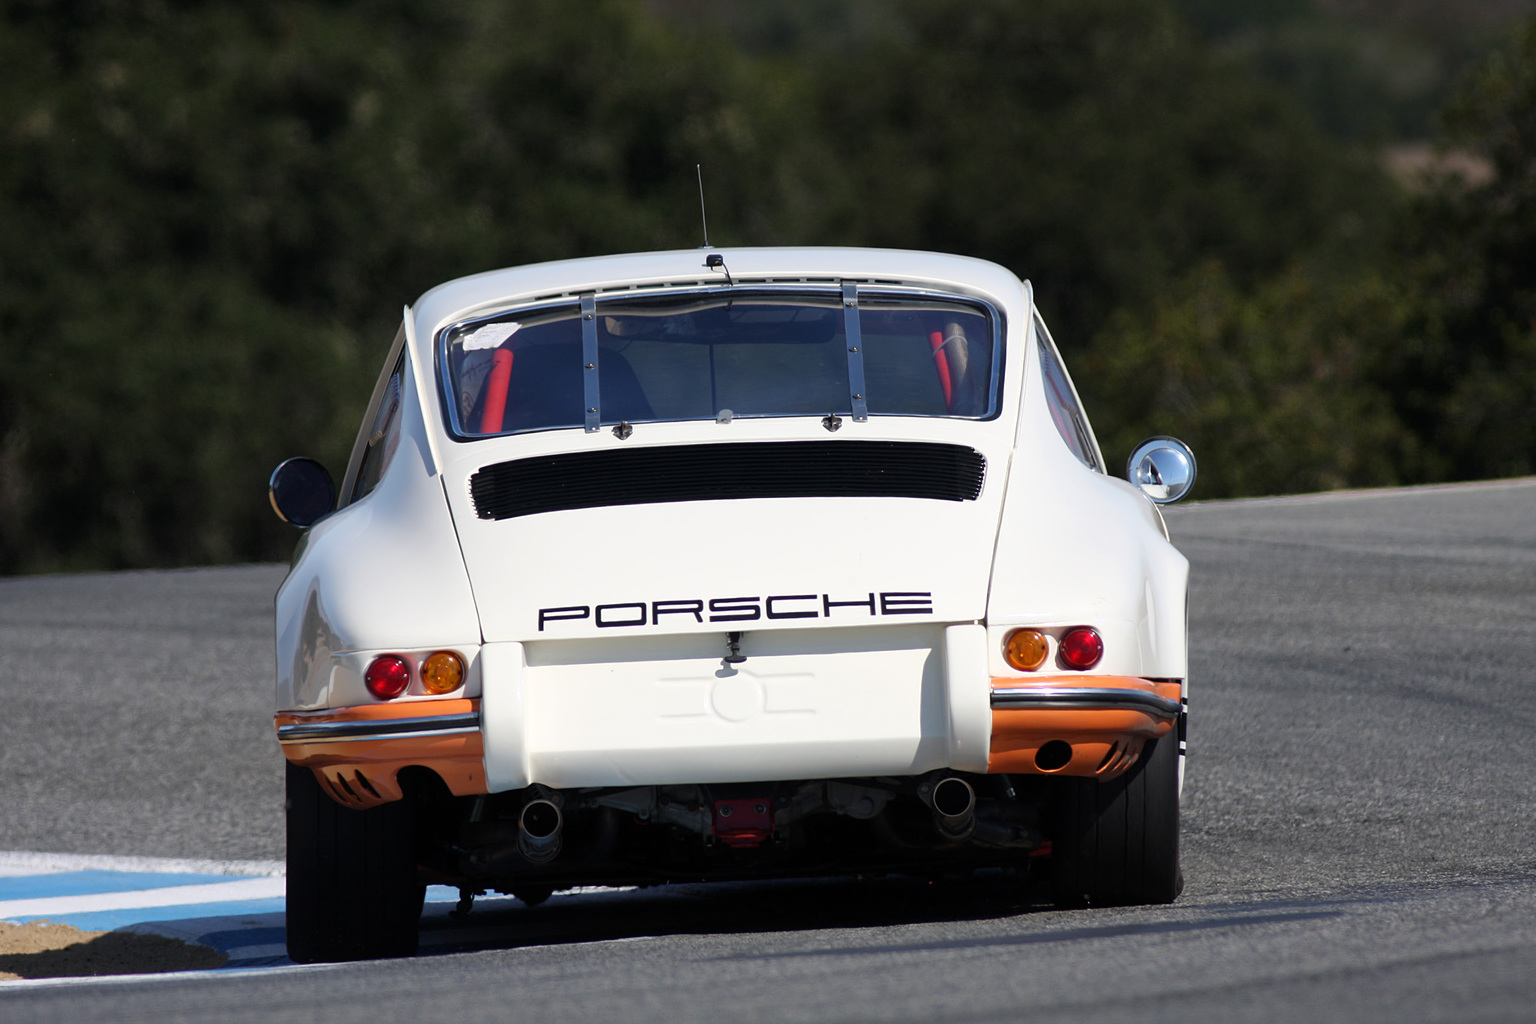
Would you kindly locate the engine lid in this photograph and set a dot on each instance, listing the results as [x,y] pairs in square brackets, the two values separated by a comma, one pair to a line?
[635,540]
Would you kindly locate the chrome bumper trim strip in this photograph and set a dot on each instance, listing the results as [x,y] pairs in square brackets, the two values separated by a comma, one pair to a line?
[1083,698]
[384,729]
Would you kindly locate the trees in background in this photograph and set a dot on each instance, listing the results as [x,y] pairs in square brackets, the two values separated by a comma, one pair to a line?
[1467,383]
[1416,365]
[211,214]
[1275,387]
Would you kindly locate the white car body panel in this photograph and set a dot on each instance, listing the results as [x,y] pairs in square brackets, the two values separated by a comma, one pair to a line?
[384,573]
[837,549]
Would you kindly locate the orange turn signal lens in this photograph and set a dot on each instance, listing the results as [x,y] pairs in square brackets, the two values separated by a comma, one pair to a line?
[442,672]
[1026,649]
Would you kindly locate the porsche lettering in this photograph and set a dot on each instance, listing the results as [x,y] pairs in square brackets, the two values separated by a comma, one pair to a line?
[741,609]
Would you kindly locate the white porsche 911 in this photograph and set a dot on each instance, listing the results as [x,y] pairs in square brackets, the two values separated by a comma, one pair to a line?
[725,564]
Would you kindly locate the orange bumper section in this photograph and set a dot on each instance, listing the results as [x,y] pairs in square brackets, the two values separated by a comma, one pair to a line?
[357,752]
[1078,725]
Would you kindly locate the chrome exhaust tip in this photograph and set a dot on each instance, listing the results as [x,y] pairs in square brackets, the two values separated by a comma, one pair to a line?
[538,830]
[954,807]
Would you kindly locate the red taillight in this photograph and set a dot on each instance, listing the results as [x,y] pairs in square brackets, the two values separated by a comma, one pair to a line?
[387,676]
[1080,648]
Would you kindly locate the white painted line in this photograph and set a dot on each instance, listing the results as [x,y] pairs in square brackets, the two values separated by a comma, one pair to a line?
[23,863]
[170,896]
[8,871]
[220,974]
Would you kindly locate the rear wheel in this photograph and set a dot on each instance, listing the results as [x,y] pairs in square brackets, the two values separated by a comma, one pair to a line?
[1117,842]
[353,892]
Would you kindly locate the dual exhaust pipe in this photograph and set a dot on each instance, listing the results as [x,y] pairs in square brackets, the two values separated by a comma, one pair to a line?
[541,821]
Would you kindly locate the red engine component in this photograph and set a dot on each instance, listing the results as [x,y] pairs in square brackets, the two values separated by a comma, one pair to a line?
[743,824]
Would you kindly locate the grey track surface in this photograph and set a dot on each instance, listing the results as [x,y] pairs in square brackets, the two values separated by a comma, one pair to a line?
[1359,835]
[138,714]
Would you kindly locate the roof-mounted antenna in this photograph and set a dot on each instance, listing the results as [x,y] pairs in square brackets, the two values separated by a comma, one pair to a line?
[714,261]
[699,170]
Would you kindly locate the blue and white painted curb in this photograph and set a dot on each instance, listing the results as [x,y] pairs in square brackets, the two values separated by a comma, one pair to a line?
[235,907]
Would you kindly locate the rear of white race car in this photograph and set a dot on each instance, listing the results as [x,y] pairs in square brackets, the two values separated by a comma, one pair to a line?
[809,568]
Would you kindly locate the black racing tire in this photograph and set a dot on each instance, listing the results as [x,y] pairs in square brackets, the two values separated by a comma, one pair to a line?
[353,890]
[1116,843]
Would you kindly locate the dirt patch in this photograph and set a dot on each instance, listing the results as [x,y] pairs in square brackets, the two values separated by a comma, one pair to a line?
[44,950]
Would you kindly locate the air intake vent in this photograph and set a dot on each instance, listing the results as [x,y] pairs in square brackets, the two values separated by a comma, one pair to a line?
[705,472]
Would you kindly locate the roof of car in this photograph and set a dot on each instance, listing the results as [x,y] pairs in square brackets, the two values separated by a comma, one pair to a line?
[466,296]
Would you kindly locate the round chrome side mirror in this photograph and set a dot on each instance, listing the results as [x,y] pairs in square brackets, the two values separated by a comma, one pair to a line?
[1162,468]
[301,491]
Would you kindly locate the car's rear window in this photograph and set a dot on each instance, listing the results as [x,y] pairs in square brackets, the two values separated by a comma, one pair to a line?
[719,355]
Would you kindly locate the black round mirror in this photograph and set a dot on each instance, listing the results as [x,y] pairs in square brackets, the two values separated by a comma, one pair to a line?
[301,491]
[1163,468]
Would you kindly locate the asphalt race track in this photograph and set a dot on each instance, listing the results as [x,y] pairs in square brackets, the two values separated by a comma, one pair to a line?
[1360,842]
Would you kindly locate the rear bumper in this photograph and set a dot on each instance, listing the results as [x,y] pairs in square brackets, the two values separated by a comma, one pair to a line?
[908,701]
[1078,725]
[357,752]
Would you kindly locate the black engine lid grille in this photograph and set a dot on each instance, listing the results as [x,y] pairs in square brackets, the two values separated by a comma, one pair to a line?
[705,472]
